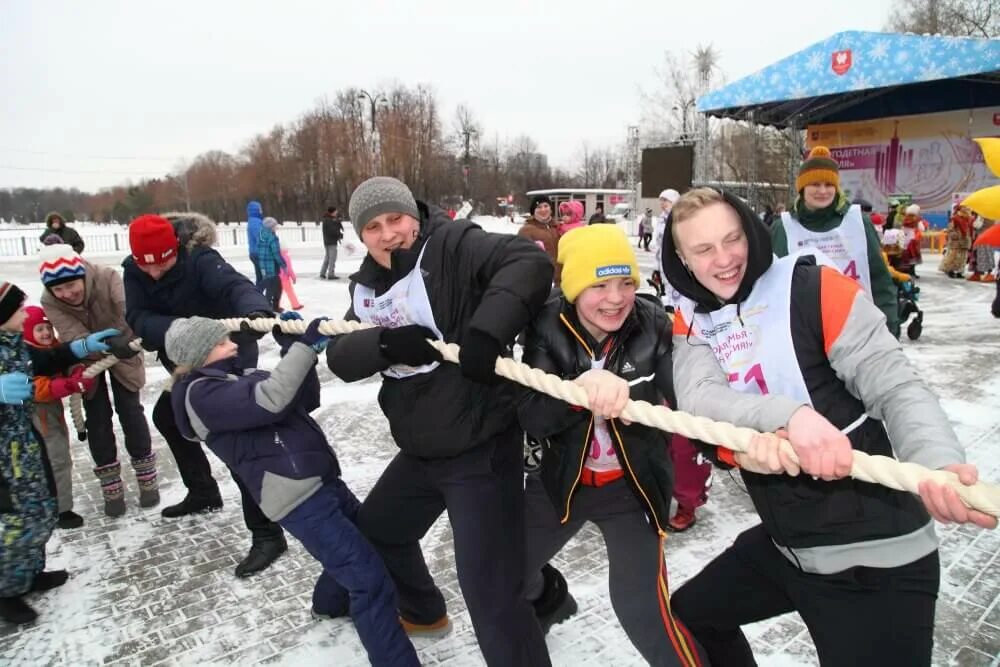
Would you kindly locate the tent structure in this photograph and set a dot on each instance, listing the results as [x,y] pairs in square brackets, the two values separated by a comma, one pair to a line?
[864,75]
[859,76]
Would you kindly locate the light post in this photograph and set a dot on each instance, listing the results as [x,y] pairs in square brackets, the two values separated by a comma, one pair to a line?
[373,104]
[683,108]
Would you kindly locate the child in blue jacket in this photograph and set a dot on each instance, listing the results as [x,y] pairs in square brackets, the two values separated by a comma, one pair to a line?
[258,423]
[28,510]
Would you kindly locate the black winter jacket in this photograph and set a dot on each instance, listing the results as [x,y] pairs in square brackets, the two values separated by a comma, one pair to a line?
[494,283]
[557,343]
[201,283]
[70,237]
[333,229]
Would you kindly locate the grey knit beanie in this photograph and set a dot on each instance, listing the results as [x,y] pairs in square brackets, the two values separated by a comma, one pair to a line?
[189,340]
[270,223]
[378,195]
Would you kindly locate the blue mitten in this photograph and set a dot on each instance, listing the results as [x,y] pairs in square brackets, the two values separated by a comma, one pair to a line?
[15,388]
[93,343]
[313,338]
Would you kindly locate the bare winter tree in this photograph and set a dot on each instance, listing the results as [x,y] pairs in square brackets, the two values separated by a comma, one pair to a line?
[963,18]
[668,110]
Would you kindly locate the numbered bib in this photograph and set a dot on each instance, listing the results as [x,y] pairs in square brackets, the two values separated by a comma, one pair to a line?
[846,246]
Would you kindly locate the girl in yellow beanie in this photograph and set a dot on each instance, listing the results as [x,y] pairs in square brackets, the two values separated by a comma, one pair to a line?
[596,466]
[823,218]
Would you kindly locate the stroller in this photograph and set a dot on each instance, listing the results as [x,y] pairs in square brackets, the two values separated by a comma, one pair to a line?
[907,293]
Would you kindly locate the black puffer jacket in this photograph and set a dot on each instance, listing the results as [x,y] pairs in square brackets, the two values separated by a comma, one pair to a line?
[557,343]
[493,283]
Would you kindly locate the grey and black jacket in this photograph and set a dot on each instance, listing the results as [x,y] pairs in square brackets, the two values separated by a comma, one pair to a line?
[855,373]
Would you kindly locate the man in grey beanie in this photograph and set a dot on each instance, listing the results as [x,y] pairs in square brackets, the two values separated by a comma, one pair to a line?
[378,195]
[426,276]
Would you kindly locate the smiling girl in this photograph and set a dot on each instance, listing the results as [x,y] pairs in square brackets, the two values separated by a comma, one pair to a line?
[595,465]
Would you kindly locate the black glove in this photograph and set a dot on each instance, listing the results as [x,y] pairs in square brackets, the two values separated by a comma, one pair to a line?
[255,315]
[120,346]
[284,340]
[408,345]
[478,357]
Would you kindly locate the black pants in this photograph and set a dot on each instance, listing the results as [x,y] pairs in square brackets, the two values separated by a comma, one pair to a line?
[637,574]
[861,616]
[100,430]
[271,286]
[483,492]
[256,271]
[646,238]
[196,473]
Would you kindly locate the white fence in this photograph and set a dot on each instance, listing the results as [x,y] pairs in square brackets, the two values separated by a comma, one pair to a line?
[24,242]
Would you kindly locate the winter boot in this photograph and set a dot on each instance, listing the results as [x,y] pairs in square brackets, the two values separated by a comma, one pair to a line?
[69,519]
[145,476]
[46,581]
[438,628]
[681,521]
[556,604]
[16,610]
[192,505]
[112,488]
[263,552]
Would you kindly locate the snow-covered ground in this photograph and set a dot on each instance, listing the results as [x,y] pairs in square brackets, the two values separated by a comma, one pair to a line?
[145,590]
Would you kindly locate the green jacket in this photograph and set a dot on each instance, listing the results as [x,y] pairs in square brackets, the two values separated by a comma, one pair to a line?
[824,220]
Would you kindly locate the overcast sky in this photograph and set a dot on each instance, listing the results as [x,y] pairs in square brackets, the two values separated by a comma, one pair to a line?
[83,82]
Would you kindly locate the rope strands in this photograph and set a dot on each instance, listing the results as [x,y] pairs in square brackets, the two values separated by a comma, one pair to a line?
[882,470]
[92,371]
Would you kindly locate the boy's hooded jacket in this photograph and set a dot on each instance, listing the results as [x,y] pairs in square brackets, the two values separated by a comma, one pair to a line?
[201,283]
[255,223]
[844,352]
[258,423]
[557,343]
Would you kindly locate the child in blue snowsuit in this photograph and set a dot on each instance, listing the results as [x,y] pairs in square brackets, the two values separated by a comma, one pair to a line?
[28,510]
[258,423]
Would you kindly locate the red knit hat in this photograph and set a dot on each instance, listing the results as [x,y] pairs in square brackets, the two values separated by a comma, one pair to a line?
[152,240]
[35,316]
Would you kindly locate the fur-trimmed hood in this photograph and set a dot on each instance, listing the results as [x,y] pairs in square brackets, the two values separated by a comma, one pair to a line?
[193,229]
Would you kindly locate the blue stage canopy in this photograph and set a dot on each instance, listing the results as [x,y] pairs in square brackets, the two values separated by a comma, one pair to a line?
[863,75]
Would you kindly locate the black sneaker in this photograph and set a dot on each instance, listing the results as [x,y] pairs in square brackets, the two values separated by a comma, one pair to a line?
[69,519]
[556,604]
[16,610]
[46,581]
[191,505]
[262,553]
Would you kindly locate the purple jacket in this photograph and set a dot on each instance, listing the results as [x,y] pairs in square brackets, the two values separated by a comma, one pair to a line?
[258,423]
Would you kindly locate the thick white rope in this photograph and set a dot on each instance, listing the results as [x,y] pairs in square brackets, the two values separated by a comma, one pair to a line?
[92,371]
[883,470]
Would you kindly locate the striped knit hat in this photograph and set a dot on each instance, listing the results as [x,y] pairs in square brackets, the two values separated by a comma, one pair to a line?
[60,264]
[11,298]
[819,167]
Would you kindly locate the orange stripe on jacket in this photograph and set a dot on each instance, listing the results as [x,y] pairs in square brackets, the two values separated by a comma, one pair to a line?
[43,389]
[680,326]
[837,293]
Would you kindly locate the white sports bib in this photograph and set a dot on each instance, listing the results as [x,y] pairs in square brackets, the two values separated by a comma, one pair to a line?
[846,246]
[406,302]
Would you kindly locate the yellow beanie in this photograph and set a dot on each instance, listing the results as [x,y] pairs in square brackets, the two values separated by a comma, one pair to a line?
[593,254]
[819,167]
